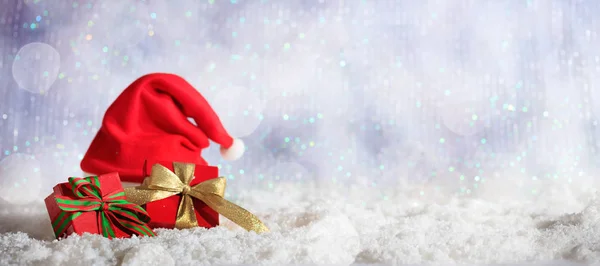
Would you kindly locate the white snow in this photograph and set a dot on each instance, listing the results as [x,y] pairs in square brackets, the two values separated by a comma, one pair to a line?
[344,225]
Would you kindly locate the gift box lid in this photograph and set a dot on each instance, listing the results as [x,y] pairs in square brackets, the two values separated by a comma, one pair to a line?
[108,183]
[201,172]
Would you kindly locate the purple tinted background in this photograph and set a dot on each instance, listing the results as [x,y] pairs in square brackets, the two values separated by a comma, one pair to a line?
[352,92]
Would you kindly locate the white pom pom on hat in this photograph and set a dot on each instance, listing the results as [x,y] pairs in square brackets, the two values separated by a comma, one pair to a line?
[235,151]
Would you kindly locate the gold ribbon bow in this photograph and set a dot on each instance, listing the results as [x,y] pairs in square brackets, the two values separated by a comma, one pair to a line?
[162,183]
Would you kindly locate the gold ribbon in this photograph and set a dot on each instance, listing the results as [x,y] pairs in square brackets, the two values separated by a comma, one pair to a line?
[162,183]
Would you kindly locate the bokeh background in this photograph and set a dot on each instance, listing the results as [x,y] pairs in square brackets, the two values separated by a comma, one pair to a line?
[464,98]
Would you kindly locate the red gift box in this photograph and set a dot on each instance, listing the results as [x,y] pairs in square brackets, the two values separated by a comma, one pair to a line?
[88,221]
[164,211]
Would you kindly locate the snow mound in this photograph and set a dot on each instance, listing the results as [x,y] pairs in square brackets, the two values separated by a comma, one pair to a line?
[341,226]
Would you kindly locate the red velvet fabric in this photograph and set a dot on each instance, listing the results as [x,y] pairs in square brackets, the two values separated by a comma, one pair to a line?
[149,121]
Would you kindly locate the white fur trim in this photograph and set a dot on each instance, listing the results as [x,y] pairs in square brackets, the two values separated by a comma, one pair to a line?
[235,151]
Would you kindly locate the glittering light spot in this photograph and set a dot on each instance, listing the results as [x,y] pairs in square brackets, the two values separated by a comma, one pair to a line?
[312,144]
[546,114]
[153,15]
[90,23]
[177,42]
[38,18]
[524,109]
[519,85]
[319,115]
[451,169]
[422,193]
[242,20]
[286,46]
[442,140]
[286,139]
[211,67]
[474,117]
[33,26]
[151,33]
[483,141]
[477,178]
[462,177]
[188,14]
[4,116]
[236,57]
[286,117]
[211,1]
[342,63]
[105,49]
[242,171]
[447,92]
[233,1]
[301,35]
[418,104]
[88,37]
[234,34]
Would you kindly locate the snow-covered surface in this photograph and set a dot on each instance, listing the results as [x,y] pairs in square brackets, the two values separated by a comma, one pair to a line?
[313,224]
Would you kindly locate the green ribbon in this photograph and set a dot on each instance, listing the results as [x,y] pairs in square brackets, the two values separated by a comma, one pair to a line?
[112,209]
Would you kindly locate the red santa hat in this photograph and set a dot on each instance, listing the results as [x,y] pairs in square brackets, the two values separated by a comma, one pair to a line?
[149,121]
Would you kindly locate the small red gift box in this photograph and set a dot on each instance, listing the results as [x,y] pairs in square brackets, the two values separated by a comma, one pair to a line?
[164,211]
[99,207]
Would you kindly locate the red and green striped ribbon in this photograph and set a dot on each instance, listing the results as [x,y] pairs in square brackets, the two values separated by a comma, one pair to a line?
[112,209]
